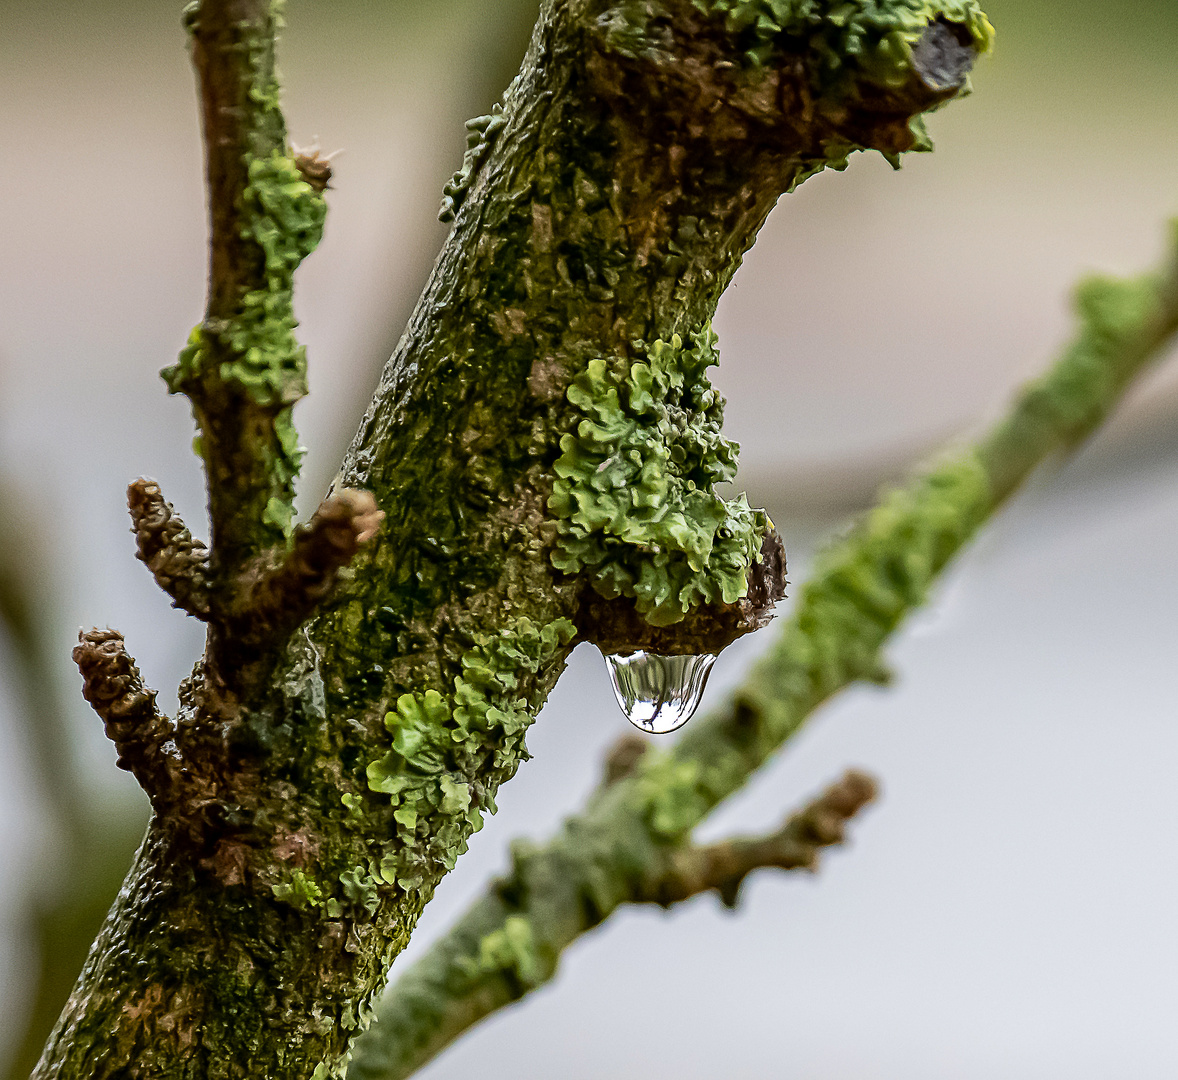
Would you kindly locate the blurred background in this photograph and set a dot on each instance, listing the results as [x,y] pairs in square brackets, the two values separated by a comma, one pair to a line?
[1008,908]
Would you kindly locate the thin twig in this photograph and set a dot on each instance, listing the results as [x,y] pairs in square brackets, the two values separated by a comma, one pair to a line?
[723,867]
[178,562]
[112,684]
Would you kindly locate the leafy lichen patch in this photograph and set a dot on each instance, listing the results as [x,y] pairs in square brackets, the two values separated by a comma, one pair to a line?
[634,490]
[868,36]
[450,753]
[480,134]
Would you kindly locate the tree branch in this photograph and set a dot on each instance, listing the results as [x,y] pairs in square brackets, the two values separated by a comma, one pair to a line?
[112,684]
[178,562]
[723,867]
[545,434]
[862,588]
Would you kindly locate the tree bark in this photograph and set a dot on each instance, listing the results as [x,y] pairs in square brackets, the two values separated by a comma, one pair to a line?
[544,438]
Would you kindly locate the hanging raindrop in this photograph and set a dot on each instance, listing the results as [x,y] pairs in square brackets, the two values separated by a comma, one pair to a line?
[658,693]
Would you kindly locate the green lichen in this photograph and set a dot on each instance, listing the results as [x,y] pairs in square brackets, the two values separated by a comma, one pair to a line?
[874,37]
[864,585]
[360,889]
[511,950]
[480,135]
[634,497]
[450,754]
[256,349]
[299,890]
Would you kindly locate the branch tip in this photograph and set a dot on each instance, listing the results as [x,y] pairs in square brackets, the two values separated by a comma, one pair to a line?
[325,545]
[723,867]
[315,167]
[177,561]
[111,683]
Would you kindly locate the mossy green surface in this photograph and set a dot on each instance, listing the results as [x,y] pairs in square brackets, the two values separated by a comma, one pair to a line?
[633,494]
[450,753]
[256,349]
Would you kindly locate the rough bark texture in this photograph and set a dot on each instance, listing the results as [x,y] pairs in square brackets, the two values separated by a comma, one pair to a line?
[545,434]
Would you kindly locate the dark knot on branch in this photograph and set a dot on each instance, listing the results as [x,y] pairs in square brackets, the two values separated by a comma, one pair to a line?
[615,625]
[178,562]
[944,56]
[111,683]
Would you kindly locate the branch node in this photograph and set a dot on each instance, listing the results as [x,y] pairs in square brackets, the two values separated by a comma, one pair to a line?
[325,545]
[178,562]
[111,683]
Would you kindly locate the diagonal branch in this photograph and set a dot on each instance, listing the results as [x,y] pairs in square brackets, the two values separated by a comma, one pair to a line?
[862,588]
[178,562]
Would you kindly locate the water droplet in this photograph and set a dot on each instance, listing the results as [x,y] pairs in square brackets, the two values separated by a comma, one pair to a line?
[658,693]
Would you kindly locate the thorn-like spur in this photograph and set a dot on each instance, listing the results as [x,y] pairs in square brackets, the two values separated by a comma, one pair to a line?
[112,684]
[285,596]
[177,561]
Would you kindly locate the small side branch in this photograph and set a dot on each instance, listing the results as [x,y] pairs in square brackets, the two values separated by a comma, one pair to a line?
[723,867]
[243,368]
[112,684]
[177,561]
[285,596]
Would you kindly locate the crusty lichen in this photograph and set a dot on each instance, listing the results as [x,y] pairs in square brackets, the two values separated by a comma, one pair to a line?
[255,351]
[450,753]
[257,348]
[633,495]
[480,134]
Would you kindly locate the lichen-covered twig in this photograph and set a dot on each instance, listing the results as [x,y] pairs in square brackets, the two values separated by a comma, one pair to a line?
[243,369]
[178,562]
[282,598]
[723,867]
[112,684]
[861,589]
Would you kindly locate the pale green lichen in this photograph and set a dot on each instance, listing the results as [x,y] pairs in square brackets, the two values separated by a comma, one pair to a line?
[257,348]
[450,754]
[868,36]
[633,495]
[508,950]
[299,890]
[480,135]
